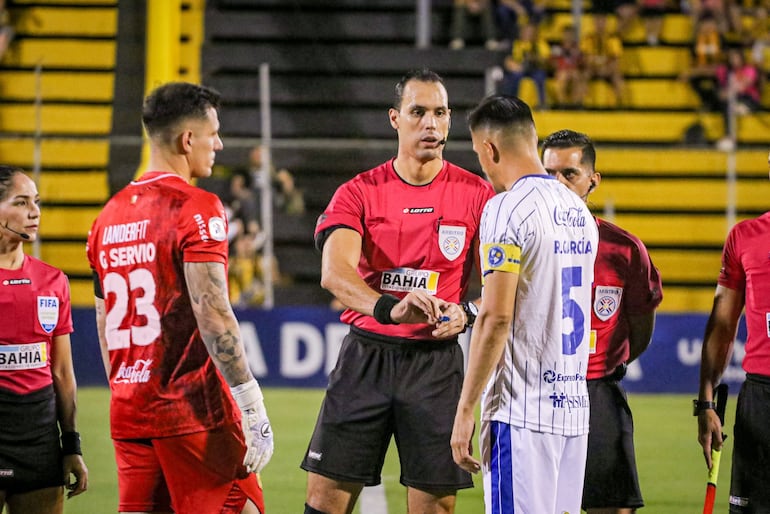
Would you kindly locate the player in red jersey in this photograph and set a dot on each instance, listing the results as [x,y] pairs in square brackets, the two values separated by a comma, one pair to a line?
[169,338]
[398,243]
[37,380]
[626,291]
[743,285]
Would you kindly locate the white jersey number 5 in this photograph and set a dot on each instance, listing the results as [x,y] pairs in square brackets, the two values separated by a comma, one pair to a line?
[139,280]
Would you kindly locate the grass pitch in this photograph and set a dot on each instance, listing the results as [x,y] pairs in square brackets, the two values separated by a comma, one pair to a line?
[671,466]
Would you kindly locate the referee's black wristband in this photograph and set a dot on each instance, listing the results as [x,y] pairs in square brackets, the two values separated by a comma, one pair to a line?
[70,443]
[383,307]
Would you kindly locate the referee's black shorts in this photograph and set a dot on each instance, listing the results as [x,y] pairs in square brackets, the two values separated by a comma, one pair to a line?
[30,455]
[611,478]
[383,387]
[750,480]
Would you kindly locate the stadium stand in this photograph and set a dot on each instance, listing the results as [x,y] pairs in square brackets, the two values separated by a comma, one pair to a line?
[75,44]
[333,65]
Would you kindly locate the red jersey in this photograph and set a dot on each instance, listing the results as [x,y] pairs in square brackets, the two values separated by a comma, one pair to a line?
[35,302]
[414,237]
[162,379]
[625,283]
[746,269]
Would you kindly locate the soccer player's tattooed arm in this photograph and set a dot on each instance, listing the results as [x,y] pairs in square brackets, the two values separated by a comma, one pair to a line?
[207,285]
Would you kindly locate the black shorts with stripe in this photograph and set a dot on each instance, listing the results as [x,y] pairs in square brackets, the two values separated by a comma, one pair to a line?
[611,478]
[30,455]
[383,387]
[750,480]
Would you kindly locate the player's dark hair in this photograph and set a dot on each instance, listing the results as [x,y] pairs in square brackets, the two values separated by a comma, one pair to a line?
[570,139]
[6,176]
[421,75]
[171,103]
[502,112]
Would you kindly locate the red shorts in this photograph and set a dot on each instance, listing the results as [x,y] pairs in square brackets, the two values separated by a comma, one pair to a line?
[193,473]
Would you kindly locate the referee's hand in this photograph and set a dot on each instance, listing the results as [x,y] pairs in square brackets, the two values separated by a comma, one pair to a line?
[74,465]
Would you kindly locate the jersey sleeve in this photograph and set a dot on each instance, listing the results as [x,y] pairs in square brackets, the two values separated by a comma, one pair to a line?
[644,288]
[64,326]
[732,275]
[344,210]
[202,229]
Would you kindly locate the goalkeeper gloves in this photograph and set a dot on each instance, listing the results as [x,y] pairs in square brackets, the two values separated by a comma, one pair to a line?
[256,427]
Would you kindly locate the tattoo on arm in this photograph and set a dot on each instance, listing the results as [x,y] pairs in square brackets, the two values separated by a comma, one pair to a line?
[207,286]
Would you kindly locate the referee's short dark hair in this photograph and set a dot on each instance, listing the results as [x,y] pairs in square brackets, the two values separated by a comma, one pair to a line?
[420,75]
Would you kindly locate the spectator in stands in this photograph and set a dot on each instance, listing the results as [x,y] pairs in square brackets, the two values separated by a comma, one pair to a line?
[759,38]
[602,52]
[707,54]
[512,15]
[481,9]
[246,241]
[653,12]
[726,15]
[6,29]
[567,63]
[740,79]
[528,58]
[287,198]
[624,11]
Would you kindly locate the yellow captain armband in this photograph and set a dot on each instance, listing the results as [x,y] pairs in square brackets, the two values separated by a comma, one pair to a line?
[500,257]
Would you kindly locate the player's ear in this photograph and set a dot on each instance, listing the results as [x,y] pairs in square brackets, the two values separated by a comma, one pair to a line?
[184,141]
[393,117]
[596,179]
[492,151]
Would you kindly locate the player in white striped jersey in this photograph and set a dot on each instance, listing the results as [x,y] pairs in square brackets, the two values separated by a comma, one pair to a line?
[529,345]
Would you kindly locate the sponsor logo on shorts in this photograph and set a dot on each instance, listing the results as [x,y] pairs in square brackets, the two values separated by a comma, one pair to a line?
[314,455]
[137,373]
[739,501]
[23,356]
[6,473]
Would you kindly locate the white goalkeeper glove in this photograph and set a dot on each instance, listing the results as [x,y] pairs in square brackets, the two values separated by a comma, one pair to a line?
[255,425]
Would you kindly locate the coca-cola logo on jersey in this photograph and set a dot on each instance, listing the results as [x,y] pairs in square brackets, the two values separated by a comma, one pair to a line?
[138,373]
[571,217]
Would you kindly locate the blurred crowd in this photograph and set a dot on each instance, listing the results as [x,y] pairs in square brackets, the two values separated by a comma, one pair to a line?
[241,195]
[729,47]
